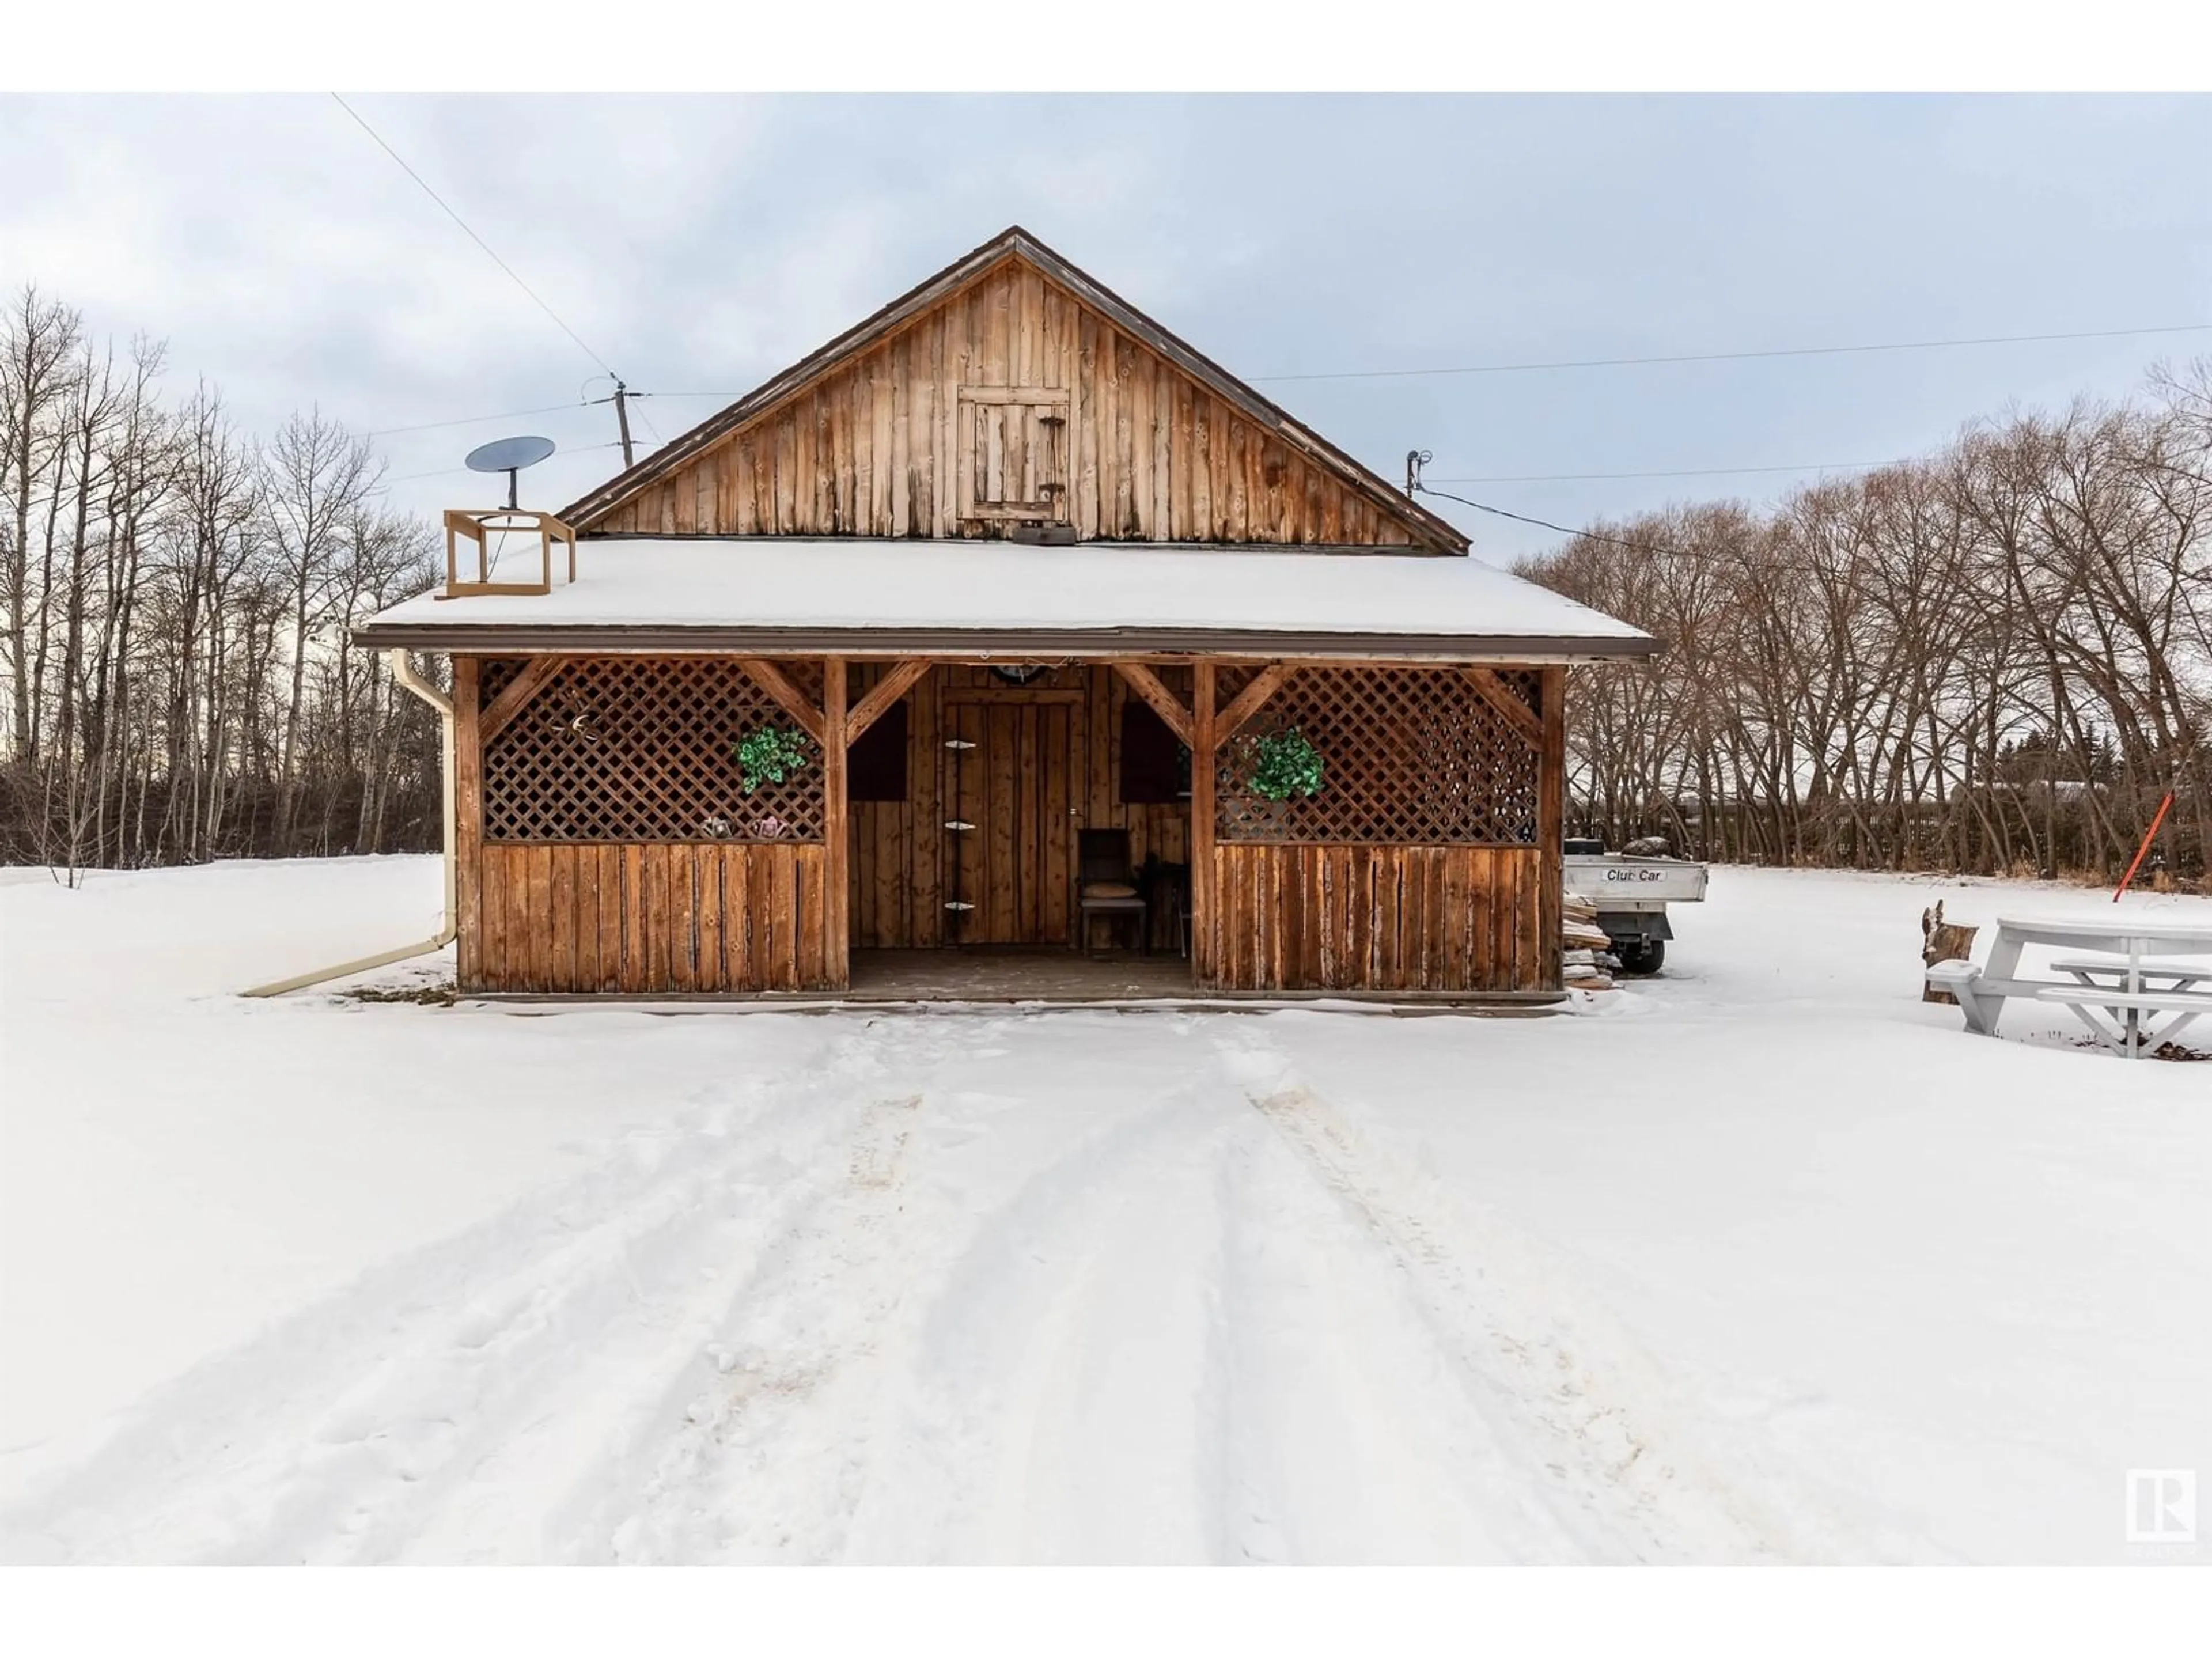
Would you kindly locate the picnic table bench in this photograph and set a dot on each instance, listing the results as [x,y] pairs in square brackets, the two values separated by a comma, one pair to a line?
[2120,995]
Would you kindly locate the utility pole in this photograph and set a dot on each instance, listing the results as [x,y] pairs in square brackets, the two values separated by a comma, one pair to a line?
[621,420]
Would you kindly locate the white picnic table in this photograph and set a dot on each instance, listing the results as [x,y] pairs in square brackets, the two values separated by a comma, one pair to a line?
[2132,997]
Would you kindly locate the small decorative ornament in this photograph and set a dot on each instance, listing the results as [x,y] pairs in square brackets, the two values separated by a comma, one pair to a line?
[1020,673]
[768,827]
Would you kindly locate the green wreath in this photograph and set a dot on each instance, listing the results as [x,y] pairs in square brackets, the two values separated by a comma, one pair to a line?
[771,754]
[1283,764]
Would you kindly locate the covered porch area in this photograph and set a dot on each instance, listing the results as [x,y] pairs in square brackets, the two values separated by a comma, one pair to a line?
[746,765]
[963,829]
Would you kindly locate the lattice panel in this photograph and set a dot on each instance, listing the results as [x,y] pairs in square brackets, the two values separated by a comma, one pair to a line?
[1409,757]
[643,749]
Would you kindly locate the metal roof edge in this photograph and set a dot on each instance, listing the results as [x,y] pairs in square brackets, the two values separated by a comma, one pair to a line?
[677,639]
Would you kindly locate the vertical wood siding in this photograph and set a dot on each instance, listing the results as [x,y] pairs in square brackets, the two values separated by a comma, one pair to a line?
[742,917]
[642,919]
[1338,917]
[882,445]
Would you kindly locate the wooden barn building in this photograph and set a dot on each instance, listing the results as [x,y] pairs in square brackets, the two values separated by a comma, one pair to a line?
[1003,629]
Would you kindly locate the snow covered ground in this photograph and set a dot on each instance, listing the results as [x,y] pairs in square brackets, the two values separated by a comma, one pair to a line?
[1765,1260]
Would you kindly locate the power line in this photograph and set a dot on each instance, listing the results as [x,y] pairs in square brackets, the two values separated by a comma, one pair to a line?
[472,235]
[1584,362]
[475,420]
[1546,524]
[1522,518]
[1728,356]
[1680,472]
[448,471]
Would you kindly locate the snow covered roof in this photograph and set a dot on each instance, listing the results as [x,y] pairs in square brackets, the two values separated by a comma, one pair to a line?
[774,594]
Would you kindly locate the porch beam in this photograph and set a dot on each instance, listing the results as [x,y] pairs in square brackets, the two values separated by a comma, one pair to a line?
[885,692]
[1551,826]
[1517,714]
[468,824]
[837,912]
[1205,963]
[516,697]
[770,679]
[1248,701]
[1146,685]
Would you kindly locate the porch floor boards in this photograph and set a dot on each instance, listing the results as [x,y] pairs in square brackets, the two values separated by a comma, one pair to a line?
[983,974]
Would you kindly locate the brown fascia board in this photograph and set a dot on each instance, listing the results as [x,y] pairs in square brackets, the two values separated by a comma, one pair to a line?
[490,639]
[1011,243]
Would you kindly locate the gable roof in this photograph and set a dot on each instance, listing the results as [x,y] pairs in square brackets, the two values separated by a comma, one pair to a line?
[1426,529]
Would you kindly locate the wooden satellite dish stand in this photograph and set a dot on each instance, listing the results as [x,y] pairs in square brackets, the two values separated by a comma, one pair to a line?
[479,527]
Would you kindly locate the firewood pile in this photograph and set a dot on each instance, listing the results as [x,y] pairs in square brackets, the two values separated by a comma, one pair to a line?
[1586,953]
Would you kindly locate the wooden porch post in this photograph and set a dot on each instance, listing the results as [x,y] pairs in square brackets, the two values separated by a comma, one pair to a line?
[1203,970]
[836,910]
[1551,825]
[468,826]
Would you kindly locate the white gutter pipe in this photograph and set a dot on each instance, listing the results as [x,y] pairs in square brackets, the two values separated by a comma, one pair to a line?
[403,671]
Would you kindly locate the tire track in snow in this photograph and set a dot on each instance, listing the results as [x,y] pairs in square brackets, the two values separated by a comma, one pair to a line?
[903,1289]
[561,1477]
[792,1364]
[1087,1376]
[1347,1434]
[774,1326]
[377,1421]
[654,1384]
[1094,1374]
[990,1450]
[1561,1397]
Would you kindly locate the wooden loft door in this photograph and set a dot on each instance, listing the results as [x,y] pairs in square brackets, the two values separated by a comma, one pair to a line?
[1013,459]
[1011,771]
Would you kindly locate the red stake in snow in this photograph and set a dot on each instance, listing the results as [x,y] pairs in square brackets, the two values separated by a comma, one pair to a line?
[2157,818]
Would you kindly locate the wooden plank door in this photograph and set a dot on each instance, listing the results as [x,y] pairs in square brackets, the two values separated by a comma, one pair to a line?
[1012,462]
[1010,772]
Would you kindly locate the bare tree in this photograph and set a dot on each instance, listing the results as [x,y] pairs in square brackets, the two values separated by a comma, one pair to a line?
[175,607]
[1995,658]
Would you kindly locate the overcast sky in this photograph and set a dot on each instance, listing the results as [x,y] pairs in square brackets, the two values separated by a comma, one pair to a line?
[699,244]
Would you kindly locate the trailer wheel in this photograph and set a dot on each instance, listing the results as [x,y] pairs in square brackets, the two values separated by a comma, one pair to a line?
[1643,955]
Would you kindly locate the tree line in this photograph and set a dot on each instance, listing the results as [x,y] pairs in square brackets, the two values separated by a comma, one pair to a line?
[1997,658]
[175,597]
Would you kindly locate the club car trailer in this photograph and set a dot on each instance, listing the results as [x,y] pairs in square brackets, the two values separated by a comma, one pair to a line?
[1632,892]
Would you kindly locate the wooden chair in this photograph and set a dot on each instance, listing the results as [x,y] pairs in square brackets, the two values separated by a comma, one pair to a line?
[1106,884]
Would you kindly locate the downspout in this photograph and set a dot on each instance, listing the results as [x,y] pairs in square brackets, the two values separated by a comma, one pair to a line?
[403,671]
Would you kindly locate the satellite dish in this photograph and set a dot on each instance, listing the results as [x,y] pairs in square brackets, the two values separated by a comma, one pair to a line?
[510,456]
